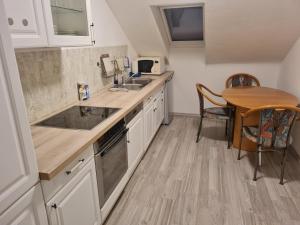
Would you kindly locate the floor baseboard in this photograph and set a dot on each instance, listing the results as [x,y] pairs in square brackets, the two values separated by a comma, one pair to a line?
[185,114]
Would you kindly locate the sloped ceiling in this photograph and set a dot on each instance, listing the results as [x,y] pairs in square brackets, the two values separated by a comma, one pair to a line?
[235,30]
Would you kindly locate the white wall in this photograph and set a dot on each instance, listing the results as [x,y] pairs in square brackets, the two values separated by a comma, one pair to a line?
[190,67]
[108,31]
[289,80]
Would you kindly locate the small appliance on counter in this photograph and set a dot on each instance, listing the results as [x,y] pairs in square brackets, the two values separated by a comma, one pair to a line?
[149,65]
[83,91]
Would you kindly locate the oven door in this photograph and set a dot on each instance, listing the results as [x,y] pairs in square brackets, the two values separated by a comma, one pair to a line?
[111,165]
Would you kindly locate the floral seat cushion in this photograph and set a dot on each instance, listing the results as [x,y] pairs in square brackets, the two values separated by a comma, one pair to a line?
[274,129]
[217,113]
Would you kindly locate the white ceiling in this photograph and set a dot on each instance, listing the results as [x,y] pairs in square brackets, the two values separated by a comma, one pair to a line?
[235,30]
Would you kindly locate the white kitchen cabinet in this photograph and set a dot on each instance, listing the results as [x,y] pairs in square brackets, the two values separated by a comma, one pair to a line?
[26,23]
[76,203]
[158,109]
[156,113]
[162,105]
[68,22]
[18,167]
[28,210]
[44,23]
[148,122]
[153,115]
[135,144]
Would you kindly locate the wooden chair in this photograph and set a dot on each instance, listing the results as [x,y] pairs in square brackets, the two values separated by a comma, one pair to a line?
[272,133]
[222,111]
[242,79]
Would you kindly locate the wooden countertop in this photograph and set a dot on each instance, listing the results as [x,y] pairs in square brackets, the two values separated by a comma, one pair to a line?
[56,147]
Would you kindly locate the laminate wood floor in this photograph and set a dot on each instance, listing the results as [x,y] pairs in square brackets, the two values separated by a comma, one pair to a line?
[179,182]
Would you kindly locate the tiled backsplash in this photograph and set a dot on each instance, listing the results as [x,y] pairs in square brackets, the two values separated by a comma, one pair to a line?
[49,76]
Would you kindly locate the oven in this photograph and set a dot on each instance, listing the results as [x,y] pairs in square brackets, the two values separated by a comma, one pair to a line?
[111,160]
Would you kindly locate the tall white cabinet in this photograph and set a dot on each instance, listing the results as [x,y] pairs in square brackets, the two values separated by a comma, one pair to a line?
[18,168]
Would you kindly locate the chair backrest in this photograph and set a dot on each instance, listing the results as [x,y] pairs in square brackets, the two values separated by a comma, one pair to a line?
[241,79]
[203,93]
[275,126]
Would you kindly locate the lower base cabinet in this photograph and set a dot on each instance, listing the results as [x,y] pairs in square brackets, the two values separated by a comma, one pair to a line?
[28,210]
[135,144]
[77,203]
[148,123]
[153,116]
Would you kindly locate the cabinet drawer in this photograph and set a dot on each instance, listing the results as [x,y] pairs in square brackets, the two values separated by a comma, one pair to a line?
[148,101]
[50,187]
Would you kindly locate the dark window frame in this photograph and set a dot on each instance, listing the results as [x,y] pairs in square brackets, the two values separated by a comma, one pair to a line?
[180,43]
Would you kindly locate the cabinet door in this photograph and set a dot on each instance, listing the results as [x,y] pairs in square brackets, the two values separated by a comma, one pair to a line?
[18,168]
[135,141]
[28,210]
[77,203]
[148,124]
[26,23]
[68,22]
[162,106]
[156,114]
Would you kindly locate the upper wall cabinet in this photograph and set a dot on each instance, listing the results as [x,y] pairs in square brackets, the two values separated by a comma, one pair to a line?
[68,22]
[47,23]
[26,23]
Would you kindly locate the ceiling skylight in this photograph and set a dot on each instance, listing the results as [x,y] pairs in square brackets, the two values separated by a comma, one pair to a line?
[184,24]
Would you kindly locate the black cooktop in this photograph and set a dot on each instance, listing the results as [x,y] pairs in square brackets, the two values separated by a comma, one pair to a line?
[79,117]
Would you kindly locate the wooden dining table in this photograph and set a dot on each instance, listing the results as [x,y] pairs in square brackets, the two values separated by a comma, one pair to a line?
[245,98]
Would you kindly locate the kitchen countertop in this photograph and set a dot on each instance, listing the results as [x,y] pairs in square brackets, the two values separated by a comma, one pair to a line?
[56,147]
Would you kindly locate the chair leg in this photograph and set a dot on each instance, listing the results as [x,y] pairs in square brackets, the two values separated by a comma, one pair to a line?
[240,145]
[226,128]
[283,166]
[257,163]
[199,129]
[228,133]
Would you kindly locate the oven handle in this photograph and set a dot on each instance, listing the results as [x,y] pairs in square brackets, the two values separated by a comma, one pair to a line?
[113,142]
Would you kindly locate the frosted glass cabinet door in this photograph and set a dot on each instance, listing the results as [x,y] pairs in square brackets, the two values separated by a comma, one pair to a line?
[18,167]
[26,23]
[68,22]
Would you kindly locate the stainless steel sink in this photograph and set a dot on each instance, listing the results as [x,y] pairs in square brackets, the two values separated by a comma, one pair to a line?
[132,84]
[141,81]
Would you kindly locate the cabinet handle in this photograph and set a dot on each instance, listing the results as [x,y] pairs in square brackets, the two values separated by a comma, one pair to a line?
[54,206]
[68,172]
[25,22]
[10,21]
[92,33]
[128,141]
